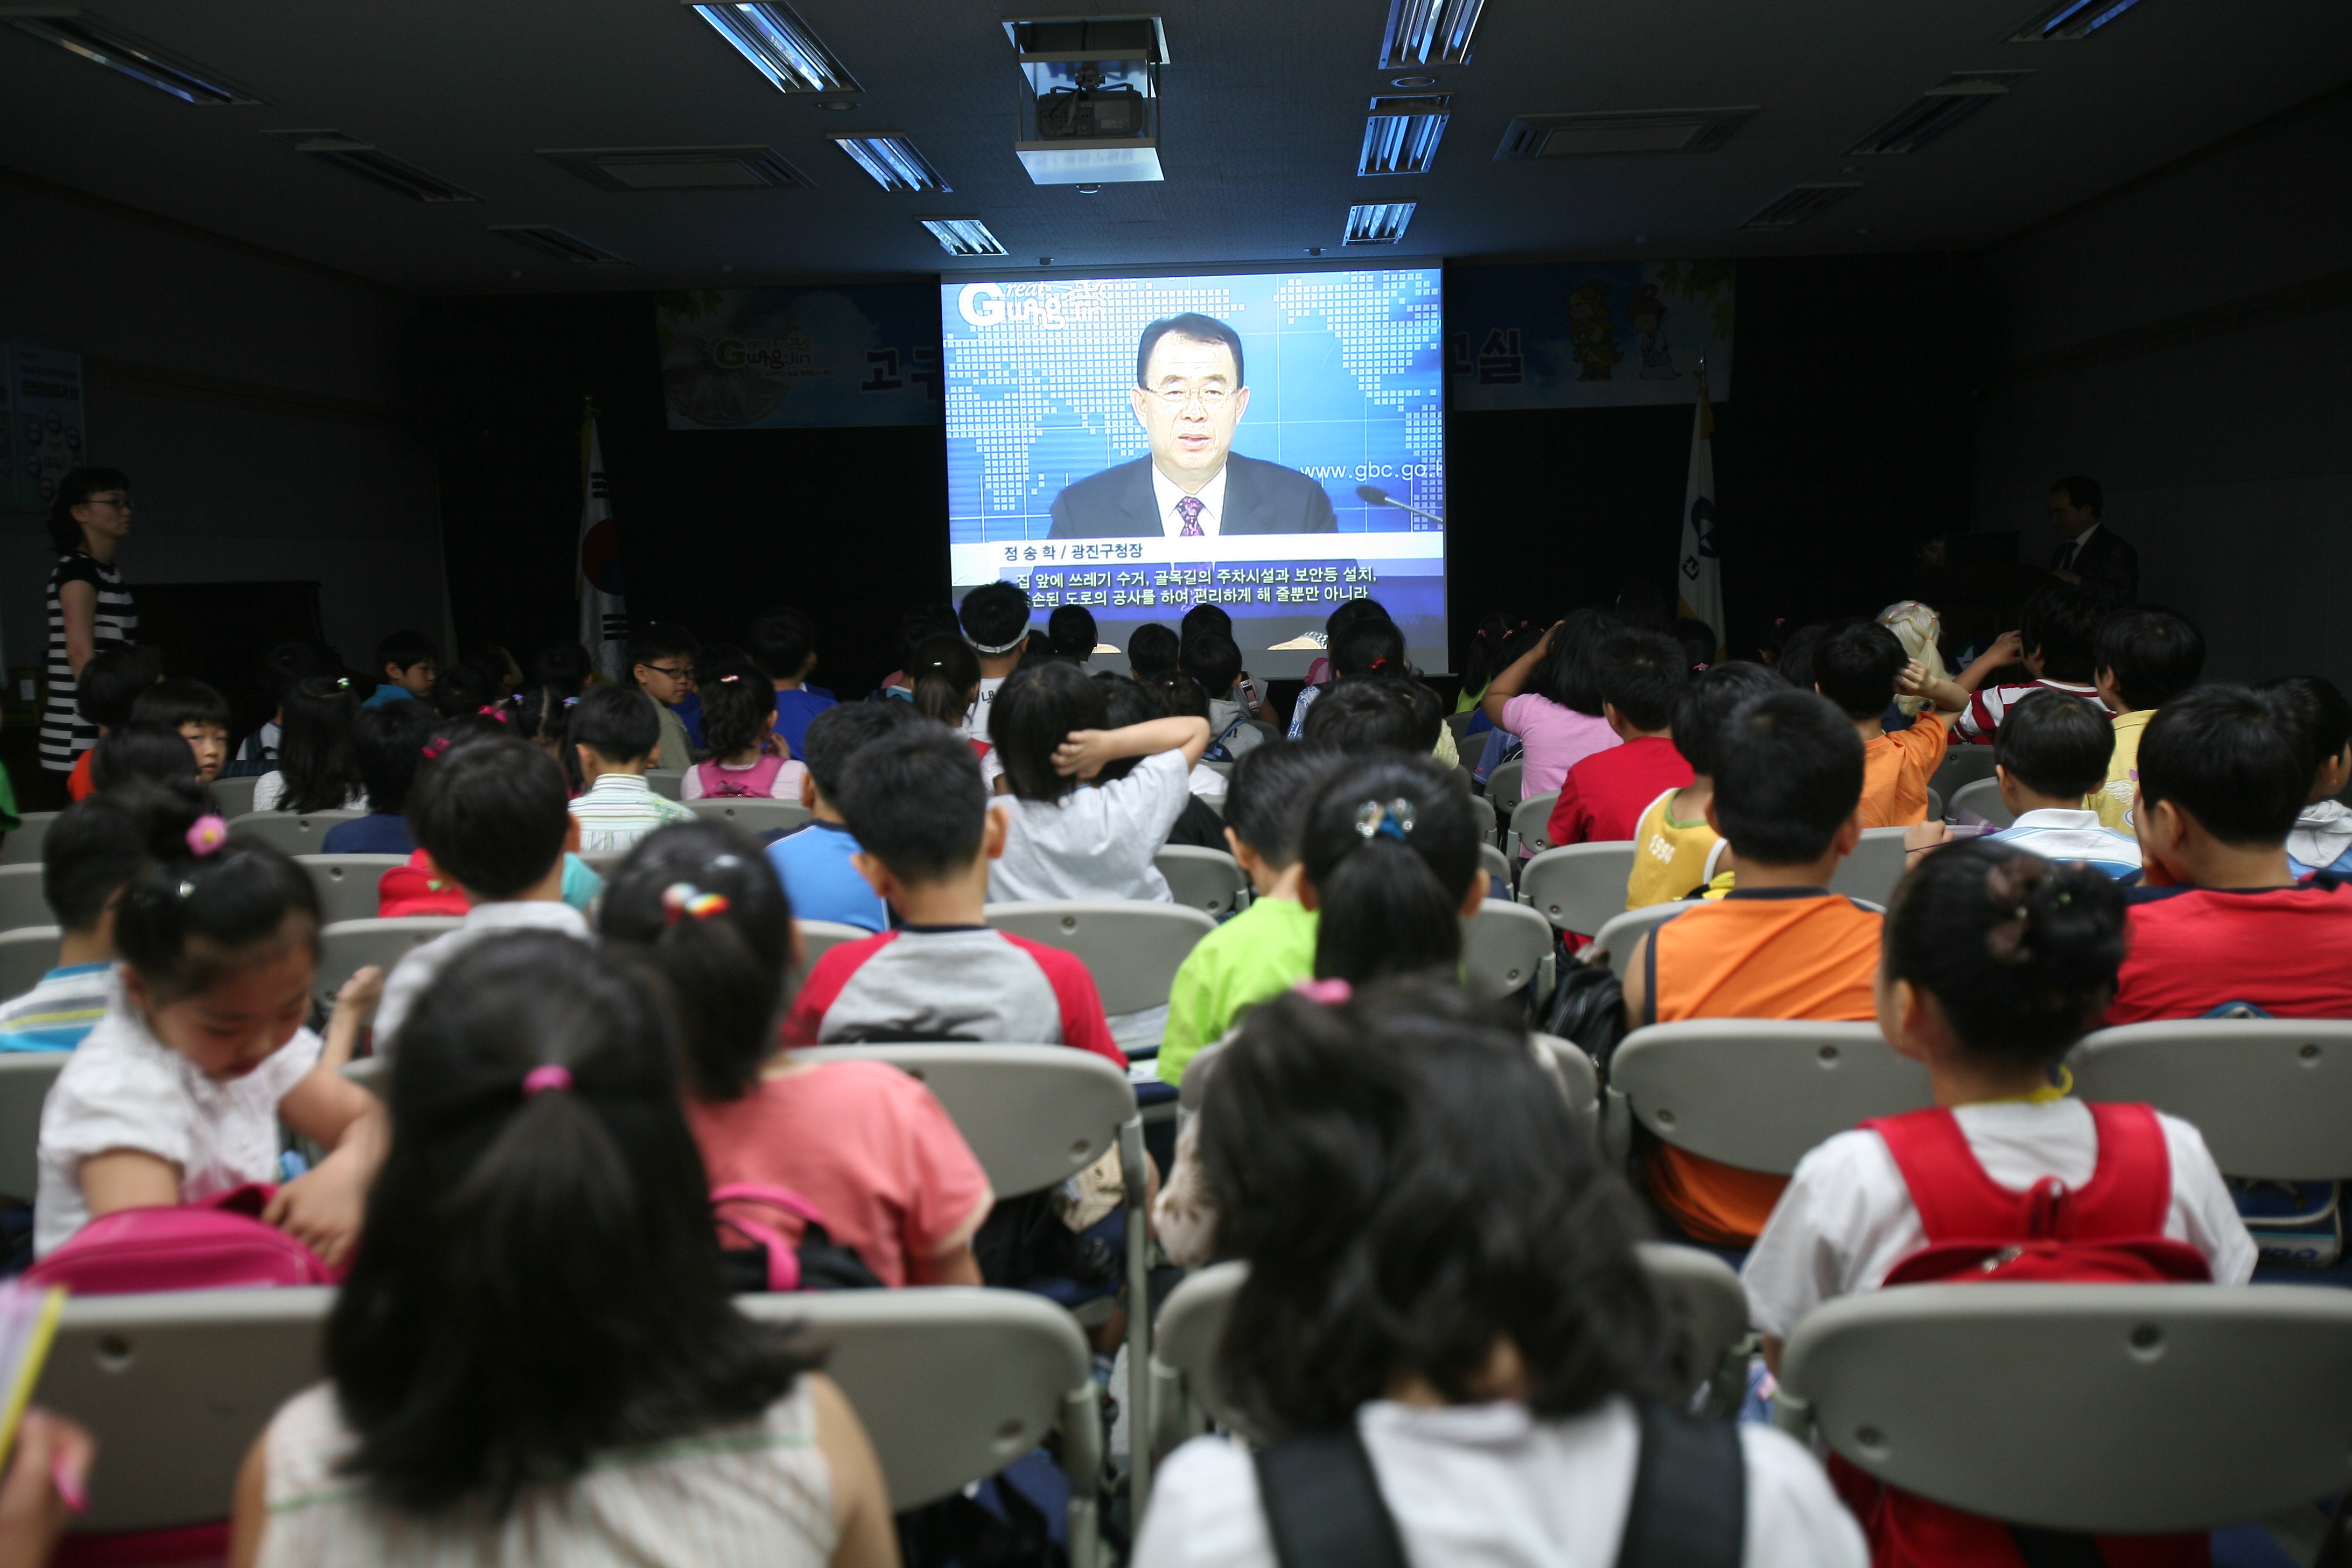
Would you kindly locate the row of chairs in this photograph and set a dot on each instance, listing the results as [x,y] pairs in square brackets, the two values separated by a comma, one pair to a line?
[1581,887]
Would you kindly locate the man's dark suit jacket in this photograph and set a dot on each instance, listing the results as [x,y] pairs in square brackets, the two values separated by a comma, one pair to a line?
[1260,497]
[2108,566]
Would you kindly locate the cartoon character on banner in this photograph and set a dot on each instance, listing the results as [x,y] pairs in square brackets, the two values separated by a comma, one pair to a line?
[1647,316]
[1591,332]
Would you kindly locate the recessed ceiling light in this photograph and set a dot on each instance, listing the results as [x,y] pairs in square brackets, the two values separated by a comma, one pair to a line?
[964,236]
[895,163]
[1429,32]
[1379,223]
[1413,81]
[1314,250]
[1402,134]
[101,44]
[780,46]
[2070,19]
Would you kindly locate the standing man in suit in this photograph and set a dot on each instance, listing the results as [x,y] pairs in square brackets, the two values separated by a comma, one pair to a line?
[2088,554]
[1189,394]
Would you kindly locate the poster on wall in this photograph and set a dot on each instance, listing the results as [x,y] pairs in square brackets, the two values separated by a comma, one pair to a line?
[46,422]
[767,359]
[1586,335]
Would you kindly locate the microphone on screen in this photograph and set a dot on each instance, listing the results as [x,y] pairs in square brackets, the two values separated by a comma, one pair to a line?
[1372,495]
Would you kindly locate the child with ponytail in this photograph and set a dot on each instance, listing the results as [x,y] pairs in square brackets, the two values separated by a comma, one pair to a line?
[748,759]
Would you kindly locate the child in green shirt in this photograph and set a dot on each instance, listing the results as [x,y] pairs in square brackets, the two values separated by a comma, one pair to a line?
[1270,946]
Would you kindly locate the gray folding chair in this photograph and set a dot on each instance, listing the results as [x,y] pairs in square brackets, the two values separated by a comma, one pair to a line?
[1505,947]
[346,884]
[1877,864]
[1494,861]
[25,1079]
[668,783]
[821,937]
[1578,1076]
[1578,887]
[1753,1092]
[234,796]
[1962,765]
[1503,785]
[1207,879]
[26,955]
[1935,803]
[370,1073]
[2098,1408]
[21,903]
[754,816]
[2272,1096]
[1982,800]
[1623,931]
[349,946]
[22,846]
[1531,831]
[288,832]
[952,1385]
[603,862]
[1131,947]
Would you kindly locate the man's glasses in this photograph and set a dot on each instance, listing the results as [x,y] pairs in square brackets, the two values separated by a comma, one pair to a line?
[1212,398]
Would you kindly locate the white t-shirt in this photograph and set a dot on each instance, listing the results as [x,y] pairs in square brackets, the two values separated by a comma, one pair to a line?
[270,788]
[126,1089]
[1092,843]
[1846,1219]
[975,722]
[1208,784]
[420,966]
[1491,1484]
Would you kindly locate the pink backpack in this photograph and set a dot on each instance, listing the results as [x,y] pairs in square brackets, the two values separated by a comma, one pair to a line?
[216,1244]
[757,782]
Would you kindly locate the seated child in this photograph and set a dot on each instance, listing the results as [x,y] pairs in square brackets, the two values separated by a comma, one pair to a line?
[2146,656]
[405,666]
[1788,787]
[783,645]
[2050,751]
[109,683]
[2322,839]
[200,714]
[1061,837]
[1127,700]
[543,716]
[661,662]
[177,1094]
[1214,659]
[492,816]
[1071,632]
[2056,638]
[1679,853]
[870,1147]
[1153,649]
[915,803]
[1269,946]
[2220,920]
[314,770]
[816,862]
[1367,713]
[141,750]
[538,1299]
[995,620]
[92,852]
[388,745]
[943,684]
[615,733]
[1550,697]
[749,759]
[1324,670]
[1862,667]
[1605,794]
[1442,1270]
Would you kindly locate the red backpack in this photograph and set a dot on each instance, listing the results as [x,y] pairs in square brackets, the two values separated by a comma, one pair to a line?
[2109,1231]
[215,1243]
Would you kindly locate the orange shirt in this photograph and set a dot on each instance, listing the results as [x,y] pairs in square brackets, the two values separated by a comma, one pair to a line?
[1896,768]
[1768,952]
[79,786]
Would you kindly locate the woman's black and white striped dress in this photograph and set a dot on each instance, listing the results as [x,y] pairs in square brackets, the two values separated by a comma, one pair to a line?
[65,733]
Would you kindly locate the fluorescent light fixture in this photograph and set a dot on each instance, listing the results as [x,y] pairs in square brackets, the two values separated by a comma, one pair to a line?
[964,236]
[99,43]
[893,161]
[1402,134]
[1382,223]
[373,164]
[1429,33]
[781,46]
[2070,19]
[1936,110]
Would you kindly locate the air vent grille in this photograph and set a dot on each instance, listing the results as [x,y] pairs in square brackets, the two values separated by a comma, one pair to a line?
[1798,203]
[1402,134]
[373,164]
[1585,135]
[557,243]
[2069,20]
[1938,109]
[1380,223]
[101,43]
[895,163]
[964,236]
[1429,33]
[750,168]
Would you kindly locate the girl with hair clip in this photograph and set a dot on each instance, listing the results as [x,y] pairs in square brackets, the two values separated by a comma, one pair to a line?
[542,715]
[1551,697]
[700,907]
[314,770]
[535,1358]
[748,759]
[177,1095]
[1442,1288]
[945,676]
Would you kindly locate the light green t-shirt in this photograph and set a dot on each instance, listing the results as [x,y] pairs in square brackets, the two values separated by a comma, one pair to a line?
[1268,948]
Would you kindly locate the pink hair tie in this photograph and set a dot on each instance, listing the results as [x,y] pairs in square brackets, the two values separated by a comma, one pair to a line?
[206,835]
[545,1078]
[1328,992]
[435,747]
[492,710]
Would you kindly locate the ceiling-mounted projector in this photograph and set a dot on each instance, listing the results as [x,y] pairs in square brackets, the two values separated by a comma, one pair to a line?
[1090,102]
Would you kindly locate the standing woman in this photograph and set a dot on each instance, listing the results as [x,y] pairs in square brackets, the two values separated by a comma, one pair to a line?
[89,609]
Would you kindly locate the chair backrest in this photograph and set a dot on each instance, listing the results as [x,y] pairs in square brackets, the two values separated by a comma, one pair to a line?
[668,783]
[24,1080]
[1935,803]
[1034,1115]
[1503,785]
[1531,823]
[821,937]
[1496,863]
[1502,947]
[1132,948]
[349,946]
[26,953]
[21,903]
[603,862]
[754,816]
[1618,938]
[1874,866]
[2122,1408]
[1576,1075]
[175,1386]
[1759,1093]
[1578,887]
[1207,879]
[289,832]
[346,884]
[234,795]
[1962,765]
[1982,799]
[21,844]
[2272,1096]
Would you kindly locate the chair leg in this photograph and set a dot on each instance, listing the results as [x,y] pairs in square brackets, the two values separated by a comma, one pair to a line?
[1134,1167]
[1082,1462]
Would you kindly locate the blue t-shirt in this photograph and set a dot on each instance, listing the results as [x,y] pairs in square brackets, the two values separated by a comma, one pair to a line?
[377,833]
[689,713]
[814,863]
[386,693]
[794,709]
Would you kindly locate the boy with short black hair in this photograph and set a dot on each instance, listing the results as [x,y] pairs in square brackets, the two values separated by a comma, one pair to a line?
[2146,657]
[995,621]
[90,852]
[617,734]
[2322,839]
[817,862]
[2057,639]
[1787,800]
[387,747]
[199,713]
[661,661]
[1862,667]
[1605,794]
[1153,649]
[1677,850]
[2050,751]
[1212,658]
[919,812]
[105,691]
[1368,713]
[2220,920]
[783,645]
[406,664]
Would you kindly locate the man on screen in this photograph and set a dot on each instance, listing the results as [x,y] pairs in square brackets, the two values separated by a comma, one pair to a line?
[1188,395]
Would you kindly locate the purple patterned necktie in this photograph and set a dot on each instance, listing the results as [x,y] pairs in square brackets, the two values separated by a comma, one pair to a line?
[1189,509]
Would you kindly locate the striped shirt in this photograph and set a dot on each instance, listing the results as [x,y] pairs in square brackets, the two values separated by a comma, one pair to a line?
[621,808]
[55,1013]
[65,733]
[1986,708]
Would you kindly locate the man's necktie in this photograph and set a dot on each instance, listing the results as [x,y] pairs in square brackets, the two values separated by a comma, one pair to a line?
[1189,509]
